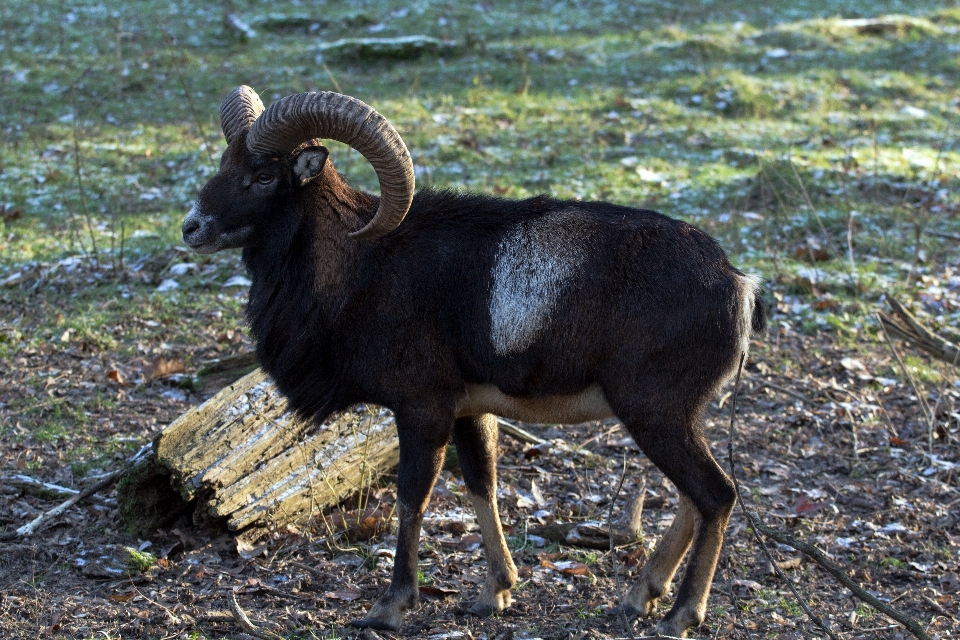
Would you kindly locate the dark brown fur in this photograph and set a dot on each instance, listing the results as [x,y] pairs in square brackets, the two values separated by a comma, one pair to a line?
[653,315]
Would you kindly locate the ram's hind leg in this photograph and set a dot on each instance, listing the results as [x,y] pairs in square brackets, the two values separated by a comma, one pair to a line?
[673,440]
[657,573]
[696,475]
[476,440]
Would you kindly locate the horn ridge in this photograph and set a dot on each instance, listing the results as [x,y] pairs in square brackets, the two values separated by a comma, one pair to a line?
[290,121]
[238,111]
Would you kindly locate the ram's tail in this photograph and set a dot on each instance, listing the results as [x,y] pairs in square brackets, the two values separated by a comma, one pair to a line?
[759,321]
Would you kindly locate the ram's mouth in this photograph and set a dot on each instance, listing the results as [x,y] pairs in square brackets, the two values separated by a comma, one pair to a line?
[201,242]
[203,247]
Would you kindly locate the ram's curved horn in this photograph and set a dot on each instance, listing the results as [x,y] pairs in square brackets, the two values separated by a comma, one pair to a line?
[290,121]
[238,111]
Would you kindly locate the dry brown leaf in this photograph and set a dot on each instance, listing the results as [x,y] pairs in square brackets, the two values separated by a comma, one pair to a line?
[573,568]
[9,214]
[807,506]
[162,367]
[361,526]
[469,542]
[744,587]
[347,595]
[537,450]
[950,582]
[810,255]
[635,557]
[826,304]
[437,592]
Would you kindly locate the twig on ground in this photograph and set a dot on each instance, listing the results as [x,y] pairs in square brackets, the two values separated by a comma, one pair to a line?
[613,548]
[792,394]
[240,360]
[29,484]
[736,603]
[888,627]
[937,607]
[170,614]
[34,525]
[601,435]
[525,436]
[244,622]
[754,521]
[625,532]
[311,570]
[31,527]
[921,398]
[26,482]
[905,326]
[811,551]
[520,434]
[837,572]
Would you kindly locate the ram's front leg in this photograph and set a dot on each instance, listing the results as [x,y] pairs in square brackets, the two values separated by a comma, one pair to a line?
[476,440]
[421,456]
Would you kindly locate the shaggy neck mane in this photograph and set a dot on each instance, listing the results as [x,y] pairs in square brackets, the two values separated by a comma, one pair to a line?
[296,295]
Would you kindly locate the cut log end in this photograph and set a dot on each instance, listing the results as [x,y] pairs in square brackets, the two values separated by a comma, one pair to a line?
[146,499]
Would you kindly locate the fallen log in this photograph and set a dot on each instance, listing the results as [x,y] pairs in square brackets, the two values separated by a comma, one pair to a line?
[242,461]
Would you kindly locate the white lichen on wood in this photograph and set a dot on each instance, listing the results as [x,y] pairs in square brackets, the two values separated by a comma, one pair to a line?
[244,458]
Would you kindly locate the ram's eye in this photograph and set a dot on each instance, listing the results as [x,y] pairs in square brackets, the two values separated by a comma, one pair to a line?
[265,178]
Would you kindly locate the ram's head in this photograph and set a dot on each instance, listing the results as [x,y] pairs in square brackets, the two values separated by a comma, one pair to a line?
[271,153]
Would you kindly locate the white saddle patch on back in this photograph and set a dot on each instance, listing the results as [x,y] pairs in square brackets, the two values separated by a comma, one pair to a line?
[534,263]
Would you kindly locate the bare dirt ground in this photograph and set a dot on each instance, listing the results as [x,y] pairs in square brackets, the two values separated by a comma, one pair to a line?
[830,443]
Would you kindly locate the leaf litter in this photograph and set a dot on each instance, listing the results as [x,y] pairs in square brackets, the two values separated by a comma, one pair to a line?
[840,458]
[877,510]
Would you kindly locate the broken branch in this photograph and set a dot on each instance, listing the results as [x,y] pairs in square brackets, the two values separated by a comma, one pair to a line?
[736,485]
[520,434]
[31,527]
[903,325]
[241,619]
[811,551]
[593,535]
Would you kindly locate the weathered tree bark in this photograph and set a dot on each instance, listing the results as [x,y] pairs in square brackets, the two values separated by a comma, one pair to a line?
[240,460]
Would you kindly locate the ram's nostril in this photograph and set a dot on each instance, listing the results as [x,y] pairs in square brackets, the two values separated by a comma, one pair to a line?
[189,226]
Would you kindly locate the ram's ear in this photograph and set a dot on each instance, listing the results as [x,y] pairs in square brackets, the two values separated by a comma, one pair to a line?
[308,163]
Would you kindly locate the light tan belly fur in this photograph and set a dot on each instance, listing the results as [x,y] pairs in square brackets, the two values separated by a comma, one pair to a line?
[589,404]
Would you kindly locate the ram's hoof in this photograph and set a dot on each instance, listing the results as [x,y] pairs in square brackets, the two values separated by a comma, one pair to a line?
[627,610]
[482,610]
[374,623]
[671,631]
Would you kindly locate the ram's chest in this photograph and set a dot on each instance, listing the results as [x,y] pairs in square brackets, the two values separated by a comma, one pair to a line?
[535,265]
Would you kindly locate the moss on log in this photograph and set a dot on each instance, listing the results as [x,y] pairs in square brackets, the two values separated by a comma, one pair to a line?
[146,500]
